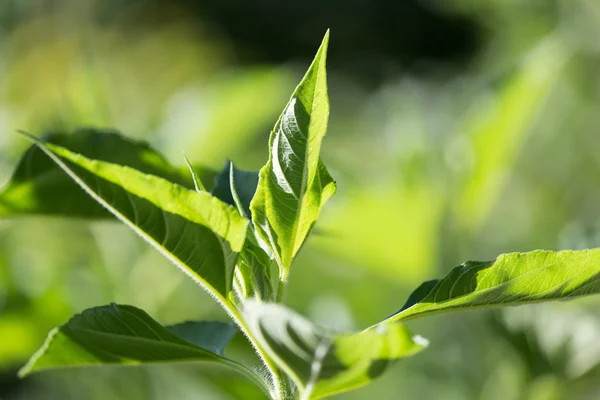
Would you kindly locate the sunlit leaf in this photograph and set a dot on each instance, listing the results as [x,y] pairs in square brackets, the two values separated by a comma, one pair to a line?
[295,184]
[196,231]
[512,279]
[321,362]
[237,187]
[39,186]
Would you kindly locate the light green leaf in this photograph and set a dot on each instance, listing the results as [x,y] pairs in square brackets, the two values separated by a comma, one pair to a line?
[198,185]
[121,334]
[321,362]
[255,266]
[237,188]
[295,184]
[196,231]
[513,279]
[39,186]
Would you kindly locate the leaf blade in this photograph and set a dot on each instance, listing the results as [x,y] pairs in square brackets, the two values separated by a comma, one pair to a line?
[237,188]
[320,362]
[209,233]
[115,334]
[512,279]
[38,186]
[295,184]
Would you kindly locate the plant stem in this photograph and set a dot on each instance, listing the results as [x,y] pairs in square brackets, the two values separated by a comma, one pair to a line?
[279,389]
[254,377]
[281,289]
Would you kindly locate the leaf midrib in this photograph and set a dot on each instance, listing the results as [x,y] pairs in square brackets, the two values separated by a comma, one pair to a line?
[96,196]
[303,186]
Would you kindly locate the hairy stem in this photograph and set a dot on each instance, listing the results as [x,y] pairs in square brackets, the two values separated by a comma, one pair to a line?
[281,290]
[279,389]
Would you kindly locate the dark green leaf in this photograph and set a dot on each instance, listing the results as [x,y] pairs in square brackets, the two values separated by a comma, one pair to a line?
[321,362]
[244,182]
[295,184]
[118,334]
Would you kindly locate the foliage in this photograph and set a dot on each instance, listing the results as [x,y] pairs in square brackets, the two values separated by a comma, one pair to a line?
[239,241]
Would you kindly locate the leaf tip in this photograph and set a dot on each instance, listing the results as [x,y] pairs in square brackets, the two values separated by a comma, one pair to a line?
[324,43]
[28,135]
[24,371]
[421,341]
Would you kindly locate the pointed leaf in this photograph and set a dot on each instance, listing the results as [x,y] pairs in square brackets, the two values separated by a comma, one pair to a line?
[237,187]
[513,279]
[39,186]
[320,362]
[196,231]
[198,185]
[295,184]
[120,334]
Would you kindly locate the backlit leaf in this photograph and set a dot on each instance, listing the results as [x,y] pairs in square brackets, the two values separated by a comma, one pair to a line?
[196,231]
[295,184]
[322,362]
[39,186]
[512,279]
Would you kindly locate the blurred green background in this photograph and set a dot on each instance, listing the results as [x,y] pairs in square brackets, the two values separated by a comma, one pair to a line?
[460,129]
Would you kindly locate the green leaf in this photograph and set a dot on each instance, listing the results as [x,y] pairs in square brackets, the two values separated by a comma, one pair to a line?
[513,279]
[198,185]
[237,187]
[210,335]
[121,334]
[255,266]
[320,362]
[39,186]
[196,231]
[232,183]
[115,334]
[295,184]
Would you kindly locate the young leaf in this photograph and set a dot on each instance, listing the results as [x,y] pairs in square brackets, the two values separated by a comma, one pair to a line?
[121,334]
[513,279]
[232,183]
[196,231]
[39,186]
[198,185]
[237,187]
[322,363]
[255,265]
[295,184]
